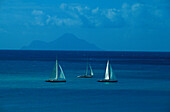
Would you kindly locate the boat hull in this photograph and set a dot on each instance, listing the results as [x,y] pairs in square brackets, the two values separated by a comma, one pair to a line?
[84,76]
[107,81]
[55,81]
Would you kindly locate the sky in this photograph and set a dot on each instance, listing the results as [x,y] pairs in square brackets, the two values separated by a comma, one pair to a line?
[114,25]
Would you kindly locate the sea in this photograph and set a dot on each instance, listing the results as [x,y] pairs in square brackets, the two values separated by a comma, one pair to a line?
[143,82]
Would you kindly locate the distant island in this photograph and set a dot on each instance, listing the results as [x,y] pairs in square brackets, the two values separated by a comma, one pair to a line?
[65,42]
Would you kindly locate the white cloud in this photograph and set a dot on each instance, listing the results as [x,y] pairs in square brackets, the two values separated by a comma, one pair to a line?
[38,17]
[37,12]
[136,14]
[38,21]
[95,10]
[146,16]
[62,21]
[110,14]
[135,7]
[74,8]
[63,6]
[78,8]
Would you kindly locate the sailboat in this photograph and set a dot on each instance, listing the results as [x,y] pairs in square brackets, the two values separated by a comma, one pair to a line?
[87,75]
[109,75]
[56,77]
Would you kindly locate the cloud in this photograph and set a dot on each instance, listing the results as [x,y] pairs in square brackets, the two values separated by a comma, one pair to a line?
[37,12]
[135,7]
[128,15]
[62,21]
[94,11]
[63,6]
[93,17]
[38,17]
[146,16]
[73,7]
[111,14]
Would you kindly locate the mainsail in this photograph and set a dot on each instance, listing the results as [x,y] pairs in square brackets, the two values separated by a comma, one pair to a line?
[55,75]
[109,75]
[87,70]
[107,71]
[56,68]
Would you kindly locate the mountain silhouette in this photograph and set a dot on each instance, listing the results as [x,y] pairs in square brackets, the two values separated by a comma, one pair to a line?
[65,42]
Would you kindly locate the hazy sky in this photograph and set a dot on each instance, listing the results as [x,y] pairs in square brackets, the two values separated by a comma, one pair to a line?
[121,25]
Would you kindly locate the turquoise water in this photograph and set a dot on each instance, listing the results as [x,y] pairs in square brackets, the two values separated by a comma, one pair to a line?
[141,87]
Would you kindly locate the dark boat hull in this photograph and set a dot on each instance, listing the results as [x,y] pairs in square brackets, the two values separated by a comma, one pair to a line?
[54,81]
[107,81]
[84,76]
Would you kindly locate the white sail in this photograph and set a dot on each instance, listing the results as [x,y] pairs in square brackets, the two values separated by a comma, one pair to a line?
[53,75]
[91,71]
[56,68]
[107,71]
[112,75]
[86,70]
[61,73]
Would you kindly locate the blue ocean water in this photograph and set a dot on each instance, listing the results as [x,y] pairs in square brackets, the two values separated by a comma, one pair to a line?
[144,82]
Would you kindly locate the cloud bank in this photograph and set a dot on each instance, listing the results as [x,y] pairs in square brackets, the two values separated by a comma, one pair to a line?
[128,15]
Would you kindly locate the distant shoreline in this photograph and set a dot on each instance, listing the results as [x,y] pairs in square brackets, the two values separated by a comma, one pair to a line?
[88,51]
